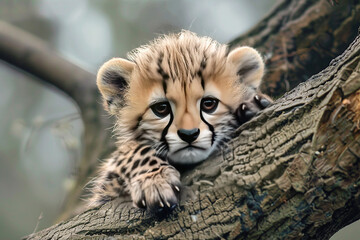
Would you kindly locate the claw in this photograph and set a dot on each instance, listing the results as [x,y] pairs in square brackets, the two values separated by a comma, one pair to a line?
[257,98]
[177,188]
[243,107]
[143,202]
[161,204]
[167,204]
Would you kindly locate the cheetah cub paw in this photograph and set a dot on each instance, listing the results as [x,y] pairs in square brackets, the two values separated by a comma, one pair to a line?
[249,109]
[157,190]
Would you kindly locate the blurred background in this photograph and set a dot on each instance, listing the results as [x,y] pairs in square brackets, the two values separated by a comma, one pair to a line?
[40,128]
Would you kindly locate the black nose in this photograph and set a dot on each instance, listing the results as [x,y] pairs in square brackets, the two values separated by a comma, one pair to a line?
[188,135]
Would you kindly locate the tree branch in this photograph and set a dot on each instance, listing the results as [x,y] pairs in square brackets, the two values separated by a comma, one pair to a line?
[300,38]
[32,55]
[288,174]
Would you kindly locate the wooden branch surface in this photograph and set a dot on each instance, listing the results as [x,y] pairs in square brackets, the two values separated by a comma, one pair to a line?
[293,172]
[300,38]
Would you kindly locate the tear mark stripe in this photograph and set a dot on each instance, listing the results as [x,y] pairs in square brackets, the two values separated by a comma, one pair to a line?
[211,128]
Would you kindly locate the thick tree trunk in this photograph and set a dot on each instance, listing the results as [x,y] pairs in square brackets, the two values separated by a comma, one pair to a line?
[291,172]
[300,38]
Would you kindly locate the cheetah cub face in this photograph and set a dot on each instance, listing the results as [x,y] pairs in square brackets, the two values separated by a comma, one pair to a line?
[180,94]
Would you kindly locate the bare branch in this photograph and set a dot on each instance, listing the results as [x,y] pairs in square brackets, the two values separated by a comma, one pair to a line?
[32,55]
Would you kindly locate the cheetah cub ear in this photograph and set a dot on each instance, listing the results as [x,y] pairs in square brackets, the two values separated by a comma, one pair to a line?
[113,80]
[248,65]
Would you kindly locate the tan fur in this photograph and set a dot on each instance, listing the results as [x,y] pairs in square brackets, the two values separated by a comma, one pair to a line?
[181,70]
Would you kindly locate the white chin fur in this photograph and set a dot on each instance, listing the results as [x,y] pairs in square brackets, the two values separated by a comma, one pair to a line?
[189,155]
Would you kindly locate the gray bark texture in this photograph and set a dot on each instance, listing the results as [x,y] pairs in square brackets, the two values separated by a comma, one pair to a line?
[299,38]
[293,172]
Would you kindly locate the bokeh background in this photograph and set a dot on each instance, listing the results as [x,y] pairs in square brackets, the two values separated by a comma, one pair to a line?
[41,129]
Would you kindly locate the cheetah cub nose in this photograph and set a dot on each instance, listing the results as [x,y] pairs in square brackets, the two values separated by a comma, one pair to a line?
[188,135]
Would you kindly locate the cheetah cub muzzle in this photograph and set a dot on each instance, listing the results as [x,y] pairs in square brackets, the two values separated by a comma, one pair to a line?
[176,101]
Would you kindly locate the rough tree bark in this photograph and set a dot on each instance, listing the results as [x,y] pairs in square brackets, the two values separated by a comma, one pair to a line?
[300,38]
[292,172]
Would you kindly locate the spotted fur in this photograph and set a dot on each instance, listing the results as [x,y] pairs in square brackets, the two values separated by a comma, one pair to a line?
[176,100]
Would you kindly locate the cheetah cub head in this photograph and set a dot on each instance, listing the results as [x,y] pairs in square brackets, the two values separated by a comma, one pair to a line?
[179,94]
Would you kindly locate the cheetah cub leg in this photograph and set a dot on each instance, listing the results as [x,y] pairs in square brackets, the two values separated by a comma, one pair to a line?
[152,182]
[157,188]
[134,170]
[250,69]
[250,108]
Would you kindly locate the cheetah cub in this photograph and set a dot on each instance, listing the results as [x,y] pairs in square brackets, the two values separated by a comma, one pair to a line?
[176,101]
